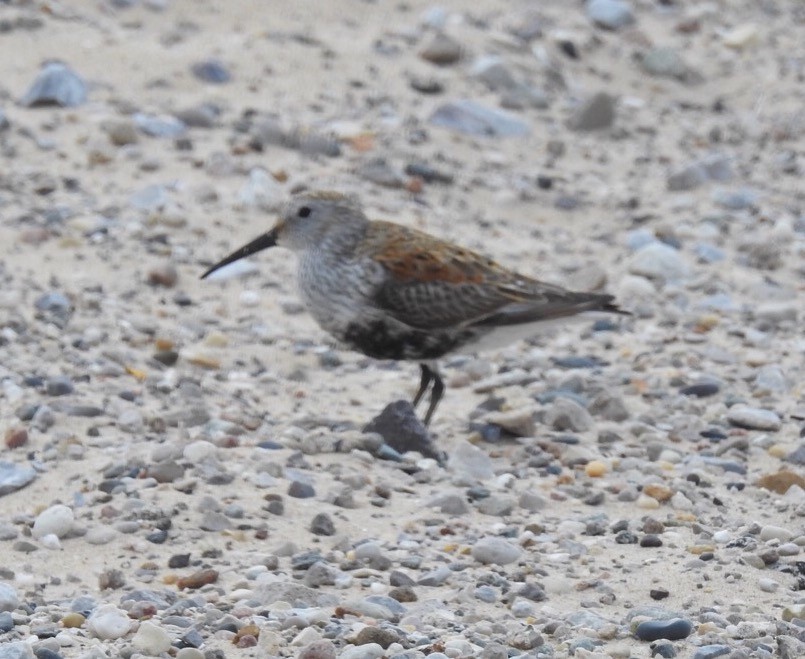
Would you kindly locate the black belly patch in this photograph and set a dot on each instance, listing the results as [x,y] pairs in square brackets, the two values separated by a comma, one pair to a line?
[380,340]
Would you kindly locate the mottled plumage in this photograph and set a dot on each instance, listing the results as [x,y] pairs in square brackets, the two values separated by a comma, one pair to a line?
[392,292]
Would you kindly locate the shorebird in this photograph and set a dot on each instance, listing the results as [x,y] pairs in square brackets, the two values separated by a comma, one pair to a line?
[392,292]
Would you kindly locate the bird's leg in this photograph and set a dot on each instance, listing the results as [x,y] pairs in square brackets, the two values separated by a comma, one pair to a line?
[435,394]
[427,376]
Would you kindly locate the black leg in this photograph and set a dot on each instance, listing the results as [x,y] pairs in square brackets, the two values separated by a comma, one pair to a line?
[427,376]
[435,395]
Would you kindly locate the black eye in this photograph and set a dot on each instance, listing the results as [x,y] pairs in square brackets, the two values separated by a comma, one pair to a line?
[304,211]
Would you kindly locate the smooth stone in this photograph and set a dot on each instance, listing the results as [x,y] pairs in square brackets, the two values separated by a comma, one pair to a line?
[16,650]
[367,651]
[471,118]
[610,14]
[321,649]
[56,84]
[435,577]
[442,50]
[770,532]
[14,477]
[495,551]
[211,70]
[567,414]
[658,261]
[402,429]
[468,460]
[595,113]
[6,622]
[666,63]
[711,651]
[753,418]
[100,535]
[164,125]
[673,630]
[9,600]
[151,639]
[108,622]
[57,520]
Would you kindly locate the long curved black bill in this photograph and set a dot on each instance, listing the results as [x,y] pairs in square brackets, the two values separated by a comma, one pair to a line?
[263,242]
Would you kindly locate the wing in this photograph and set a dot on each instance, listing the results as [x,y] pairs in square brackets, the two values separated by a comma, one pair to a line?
[432,285]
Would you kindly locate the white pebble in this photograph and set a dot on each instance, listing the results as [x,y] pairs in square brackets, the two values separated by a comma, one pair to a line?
[108,622]
[722,537]
[249,298]
[767,585]
[770,532]
[496,551]
[57,520]
[366,651]
[197,451]
[50,541]
[190,653]
[151,639]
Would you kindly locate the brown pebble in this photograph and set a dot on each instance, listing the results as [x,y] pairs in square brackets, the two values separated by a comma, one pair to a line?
[16,437]
[111,579]
[780,481]
[658,492]
[247,636]
[403,594]
[163,275]
[198,579]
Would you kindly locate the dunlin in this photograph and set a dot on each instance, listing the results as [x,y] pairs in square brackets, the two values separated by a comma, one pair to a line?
[391,292]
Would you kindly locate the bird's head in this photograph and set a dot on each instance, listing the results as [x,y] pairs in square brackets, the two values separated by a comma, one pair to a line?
[305,222]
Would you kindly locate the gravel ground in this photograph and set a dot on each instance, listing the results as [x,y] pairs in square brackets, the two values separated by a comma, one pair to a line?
[185,470]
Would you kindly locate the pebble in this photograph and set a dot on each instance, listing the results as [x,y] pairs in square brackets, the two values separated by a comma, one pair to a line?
[402,429]
[442,50]
[659,261]
[610,14]
[211,70]
[9,600]
[467,116]
[595,113]
[495,551]
[57,520]
[151,639]
[108,622]
[165,125]
[753,418]
[17,650]
[674,629]
[321,649]
[567,414]
[665,62]
[56,84]
[14,477]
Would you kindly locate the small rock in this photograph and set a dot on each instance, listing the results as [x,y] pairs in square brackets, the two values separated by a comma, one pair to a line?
[596,113]
[753,418]
[9,599]
[57,520]
[567,414]
[14,477]
[108,622]
[56,84]
[321,649]
[165,275]
[211,70]
[781,481]
[673,630]
[59,385]
[610,14]
[658,261]
[666,63]
[441,50]
[401,429]
[495,551]
[165,125]
[322,524]
[471,118]
[151,639]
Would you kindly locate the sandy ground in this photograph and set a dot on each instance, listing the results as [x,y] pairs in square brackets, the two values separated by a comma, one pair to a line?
[251,359]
